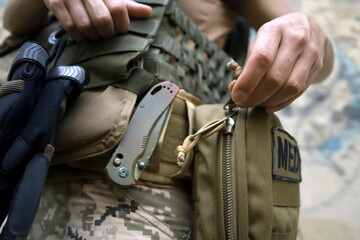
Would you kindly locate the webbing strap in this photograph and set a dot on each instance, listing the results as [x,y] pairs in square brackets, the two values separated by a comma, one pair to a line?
[167,43]
[204,64]
[144,26]
[285,194]
[139,81]
[78,53]
[155,64]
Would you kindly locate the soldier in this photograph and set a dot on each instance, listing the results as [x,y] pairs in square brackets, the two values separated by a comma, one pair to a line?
[290,53]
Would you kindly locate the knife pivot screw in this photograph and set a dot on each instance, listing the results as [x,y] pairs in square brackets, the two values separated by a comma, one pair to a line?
[117,162]
[118,159]
[123,172]
[141,165]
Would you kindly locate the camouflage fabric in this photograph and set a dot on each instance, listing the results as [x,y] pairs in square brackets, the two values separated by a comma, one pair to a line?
[94,209]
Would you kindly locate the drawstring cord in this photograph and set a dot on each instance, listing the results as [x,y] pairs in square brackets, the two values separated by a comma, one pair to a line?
[190,141]
[211,127]
[237,71]
[236,68]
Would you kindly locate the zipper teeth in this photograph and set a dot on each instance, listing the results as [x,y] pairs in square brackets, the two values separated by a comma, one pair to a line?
[227,189]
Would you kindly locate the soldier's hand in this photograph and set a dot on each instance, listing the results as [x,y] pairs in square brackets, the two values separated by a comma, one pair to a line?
[287,56]
[94,19]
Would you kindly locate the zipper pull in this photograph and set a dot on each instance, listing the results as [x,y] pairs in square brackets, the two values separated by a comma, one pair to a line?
[229,125]
[230,113]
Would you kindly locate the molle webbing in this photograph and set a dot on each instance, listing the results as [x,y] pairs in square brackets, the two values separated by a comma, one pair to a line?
[150,50]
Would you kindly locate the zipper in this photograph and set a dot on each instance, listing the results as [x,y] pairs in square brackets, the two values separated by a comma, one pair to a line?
[227,193]
[227,181]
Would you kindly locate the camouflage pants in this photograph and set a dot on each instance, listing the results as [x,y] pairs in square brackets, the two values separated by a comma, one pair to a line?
[94,209]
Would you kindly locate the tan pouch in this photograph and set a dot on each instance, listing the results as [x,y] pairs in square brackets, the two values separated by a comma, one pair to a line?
[93,126]
[163,167]
[246,184]
[107,113]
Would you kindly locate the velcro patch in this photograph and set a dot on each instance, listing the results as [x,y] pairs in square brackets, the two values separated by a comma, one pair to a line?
[285,156]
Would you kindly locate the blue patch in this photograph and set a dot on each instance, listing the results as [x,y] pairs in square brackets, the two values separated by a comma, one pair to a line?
[286,158]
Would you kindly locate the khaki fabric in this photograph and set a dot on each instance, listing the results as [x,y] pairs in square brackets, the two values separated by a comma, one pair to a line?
[91,150]
[95,123]
[263,206]
[163,164]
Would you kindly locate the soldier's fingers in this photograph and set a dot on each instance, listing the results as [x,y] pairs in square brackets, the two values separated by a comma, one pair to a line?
[119,14]
[261,58]
[280,71]
[59,9]
[100,17]
[81,19]
[297,83]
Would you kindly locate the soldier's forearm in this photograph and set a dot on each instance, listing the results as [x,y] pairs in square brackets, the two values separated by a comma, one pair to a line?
[24,16]
[258,12]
